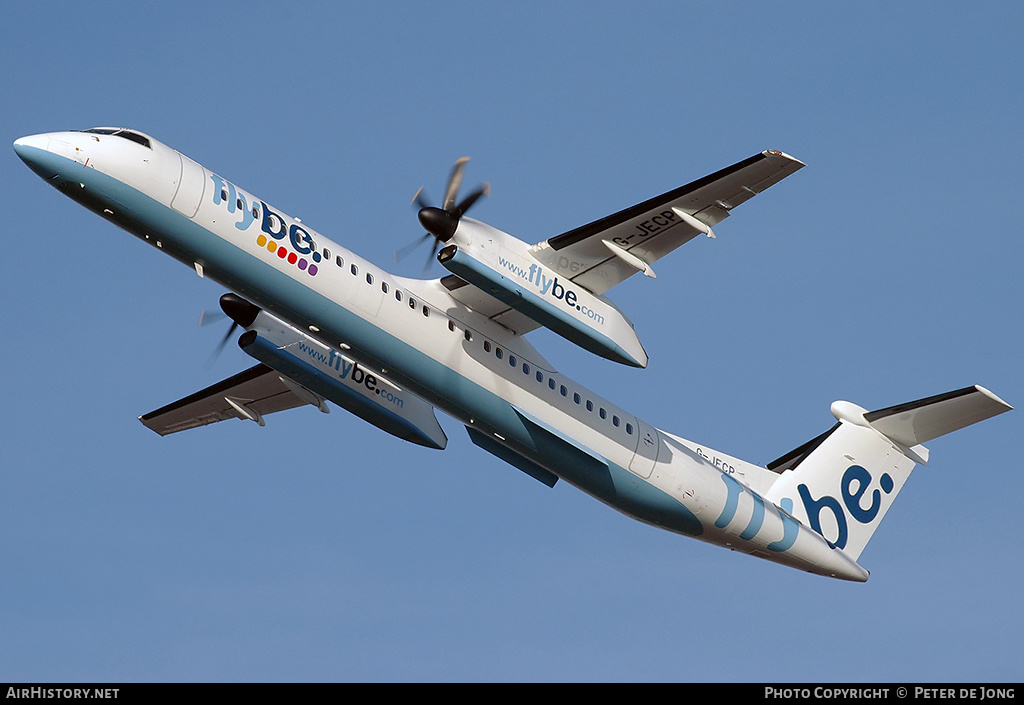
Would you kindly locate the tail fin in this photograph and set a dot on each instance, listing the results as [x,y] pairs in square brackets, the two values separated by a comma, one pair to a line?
[843,482]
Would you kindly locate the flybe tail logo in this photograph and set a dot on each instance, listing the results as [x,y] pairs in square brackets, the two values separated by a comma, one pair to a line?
[853,487]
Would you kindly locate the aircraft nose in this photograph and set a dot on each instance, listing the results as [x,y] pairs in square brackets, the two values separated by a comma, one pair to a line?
[33,150]
[25,145]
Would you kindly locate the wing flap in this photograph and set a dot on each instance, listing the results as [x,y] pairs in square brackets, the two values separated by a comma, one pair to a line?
[486,305]
[249,395]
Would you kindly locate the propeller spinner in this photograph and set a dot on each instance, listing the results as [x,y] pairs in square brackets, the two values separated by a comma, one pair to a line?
[441,223]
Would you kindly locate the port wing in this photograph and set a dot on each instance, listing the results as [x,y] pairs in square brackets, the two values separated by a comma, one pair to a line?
[599,255]
[249,395]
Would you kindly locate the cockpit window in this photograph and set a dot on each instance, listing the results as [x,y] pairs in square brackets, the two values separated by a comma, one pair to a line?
[118,132]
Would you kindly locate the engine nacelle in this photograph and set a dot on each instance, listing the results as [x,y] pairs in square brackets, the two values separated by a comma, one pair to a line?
[332,375]
[520,281]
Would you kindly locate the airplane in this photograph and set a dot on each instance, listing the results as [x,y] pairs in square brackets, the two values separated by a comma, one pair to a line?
[325,325]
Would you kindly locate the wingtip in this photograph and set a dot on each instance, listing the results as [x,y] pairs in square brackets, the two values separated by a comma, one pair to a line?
[783,155]
[993,397]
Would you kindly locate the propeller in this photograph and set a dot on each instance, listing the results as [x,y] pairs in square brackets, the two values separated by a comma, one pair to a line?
[238,309]
[209,318]
[441,223]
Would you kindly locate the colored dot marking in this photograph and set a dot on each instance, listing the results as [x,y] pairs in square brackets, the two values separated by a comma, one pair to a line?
[290,257]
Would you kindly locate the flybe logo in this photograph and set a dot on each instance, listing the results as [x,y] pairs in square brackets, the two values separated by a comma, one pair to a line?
[352,373]
[296,246]
[757,524]
[853,487]
[551,286]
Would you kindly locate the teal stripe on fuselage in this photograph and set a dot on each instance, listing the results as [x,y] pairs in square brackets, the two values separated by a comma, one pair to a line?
[240,271]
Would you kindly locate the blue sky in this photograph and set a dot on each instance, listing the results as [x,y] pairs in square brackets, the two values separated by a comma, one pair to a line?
[319,548]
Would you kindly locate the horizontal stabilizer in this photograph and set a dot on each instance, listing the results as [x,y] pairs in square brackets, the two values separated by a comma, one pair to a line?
[921,421]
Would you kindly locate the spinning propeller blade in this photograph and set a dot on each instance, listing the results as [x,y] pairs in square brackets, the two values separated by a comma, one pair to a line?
[441,223]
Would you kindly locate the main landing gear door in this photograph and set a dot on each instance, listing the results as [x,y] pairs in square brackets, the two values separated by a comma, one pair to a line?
[646,454]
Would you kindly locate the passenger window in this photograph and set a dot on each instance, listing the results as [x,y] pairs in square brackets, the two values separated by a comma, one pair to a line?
[576,397]
[498,353]
[451,325]
[512,360]
[602,413]
[590,405]
[398,294]
[629,429]
[354,269]
[487,346]
[615,421]
[563,391]
[369,278]
[526,368]
[469,335]
[551,382]
[340,261]
[426,311]
[255,213]
[412,303]
[384,287]
[540,376]
[327,254]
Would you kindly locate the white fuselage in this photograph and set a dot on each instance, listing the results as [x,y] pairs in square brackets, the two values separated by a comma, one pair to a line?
[414,333]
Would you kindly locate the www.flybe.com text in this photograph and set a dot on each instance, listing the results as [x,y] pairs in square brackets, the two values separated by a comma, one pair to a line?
[551,286]
[352,372]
